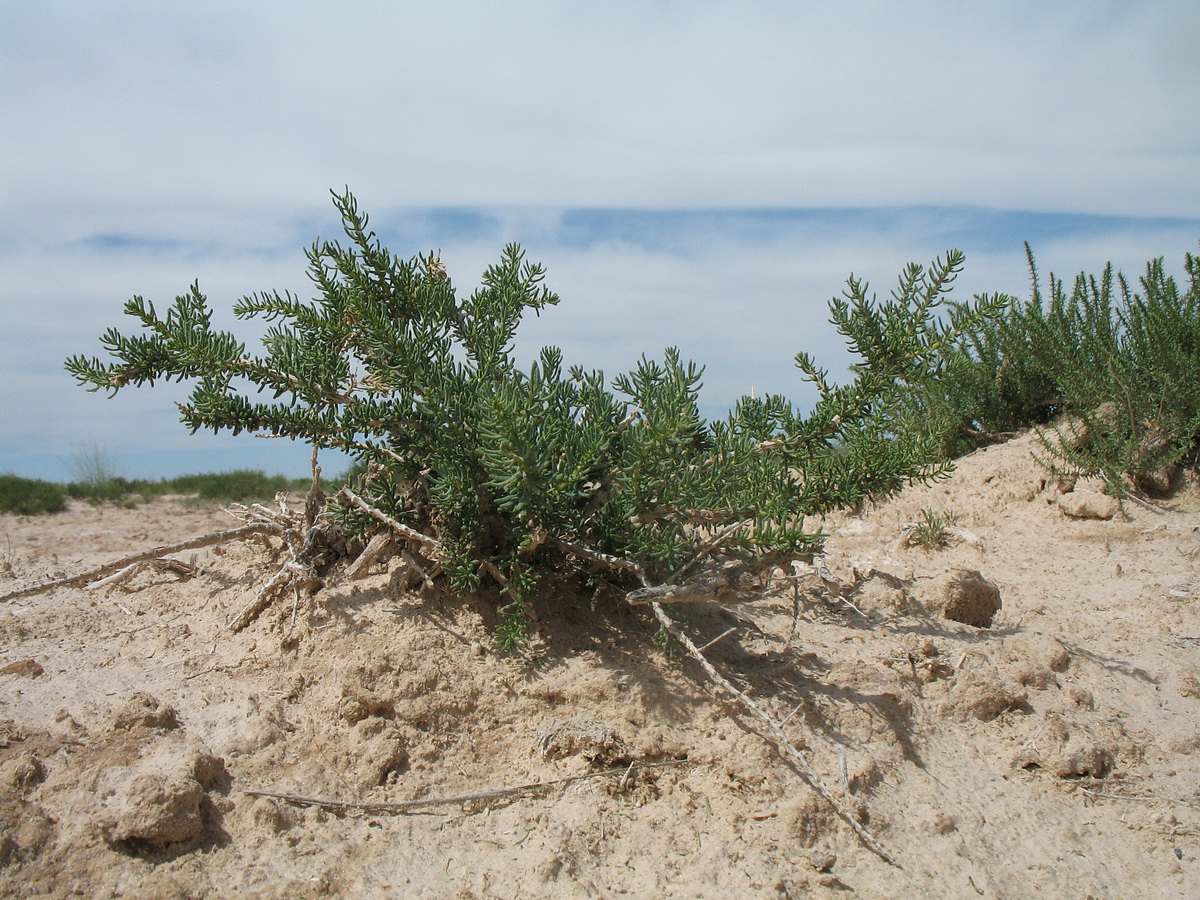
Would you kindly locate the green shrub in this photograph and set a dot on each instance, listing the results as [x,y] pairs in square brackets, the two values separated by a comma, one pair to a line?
[1129,373]
[27,496]
[498,475]
[1120,371]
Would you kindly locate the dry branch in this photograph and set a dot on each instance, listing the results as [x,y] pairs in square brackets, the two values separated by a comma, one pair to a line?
[367,558]
[595,556]
[218,537]
[426,577]
[723,586]
[614,562]
[411,805]
[806,771]
[652,594]
[288,573]
[399,528]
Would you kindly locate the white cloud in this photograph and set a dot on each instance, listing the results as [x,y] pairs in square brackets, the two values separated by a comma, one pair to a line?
[1073,106]
[150,144]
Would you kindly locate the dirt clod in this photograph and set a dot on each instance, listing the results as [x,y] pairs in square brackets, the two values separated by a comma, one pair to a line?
[583,736]
[1088,505]
[962,595]
[142,710]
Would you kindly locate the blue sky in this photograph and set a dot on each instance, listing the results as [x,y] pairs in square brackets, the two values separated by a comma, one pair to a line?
[696,174]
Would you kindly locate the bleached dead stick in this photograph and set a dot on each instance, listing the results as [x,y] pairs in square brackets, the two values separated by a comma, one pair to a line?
[416,567]
[723,586]
[806,771]
[290,573]
[410,805]
[247,613]
[119,578]
[777,733]
[614,562]
[218,537]
[367,558]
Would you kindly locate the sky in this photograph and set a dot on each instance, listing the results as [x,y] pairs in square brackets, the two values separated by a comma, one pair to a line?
[695,174]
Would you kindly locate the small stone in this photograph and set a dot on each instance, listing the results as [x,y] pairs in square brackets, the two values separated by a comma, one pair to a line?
[823,862]
[158,800]
[980,691]
[153,808]
[21,772]
[271,816]
[1082,698]
[1189,686]
[1083,758]
[30,668]
[944,823]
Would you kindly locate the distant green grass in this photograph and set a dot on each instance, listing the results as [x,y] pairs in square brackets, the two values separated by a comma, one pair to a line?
[235,487]
[26,496]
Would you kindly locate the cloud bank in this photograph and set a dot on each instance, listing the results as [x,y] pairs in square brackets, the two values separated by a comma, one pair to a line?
[691,174]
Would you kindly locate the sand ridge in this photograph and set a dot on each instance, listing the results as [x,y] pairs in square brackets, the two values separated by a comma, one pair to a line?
[1055,753]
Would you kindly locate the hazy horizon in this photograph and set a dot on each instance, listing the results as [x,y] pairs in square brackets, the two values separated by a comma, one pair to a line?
[689,174]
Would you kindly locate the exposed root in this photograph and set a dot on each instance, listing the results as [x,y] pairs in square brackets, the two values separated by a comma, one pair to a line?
[703,590]
[291,574]
[374,550]
[180,567]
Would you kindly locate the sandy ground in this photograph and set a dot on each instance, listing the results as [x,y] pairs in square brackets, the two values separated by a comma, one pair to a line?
[1055,753]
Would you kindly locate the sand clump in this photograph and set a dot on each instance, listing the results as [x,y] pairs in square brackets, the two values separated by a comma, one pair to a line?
[1014,714]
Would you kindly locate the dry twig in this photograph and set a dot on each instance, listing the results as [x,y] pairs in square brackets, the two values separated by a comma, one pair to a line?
[399,528]
[288,575]
[208,540]
[411,805]
[704,590]
[781,739]
[375,549]
[722,585]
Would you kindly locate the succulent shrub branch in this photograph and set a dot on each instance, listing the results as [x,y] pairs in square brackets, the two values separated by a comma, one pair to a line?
[502,473]
[1110,373]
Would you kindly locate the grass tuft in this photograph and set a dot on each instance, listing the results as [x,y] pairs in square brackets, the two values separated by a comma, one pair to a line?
[932,532]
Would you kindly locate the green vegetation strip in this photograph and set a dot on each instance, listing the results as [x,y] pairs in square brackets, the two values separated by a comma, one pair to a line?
[30,496]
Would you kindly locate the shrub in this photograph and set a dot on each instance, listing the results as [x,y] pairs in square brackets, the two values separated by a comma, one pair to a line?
[499,475]
[1128,368]
[96,479]
[238,486]
[27,496]
[1119,370]
[110,489]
